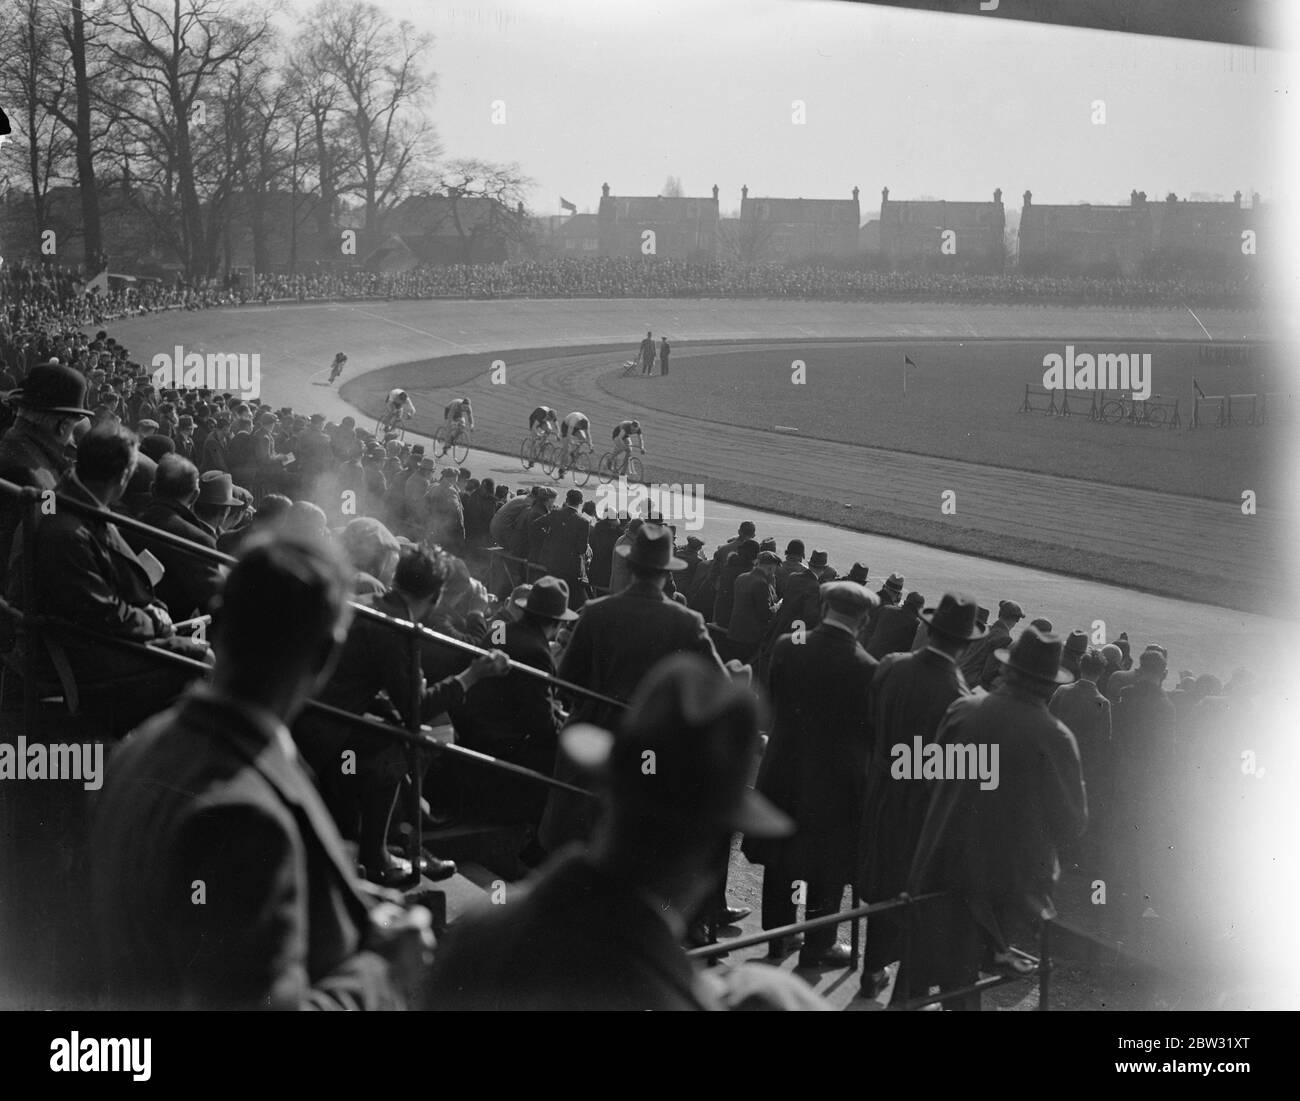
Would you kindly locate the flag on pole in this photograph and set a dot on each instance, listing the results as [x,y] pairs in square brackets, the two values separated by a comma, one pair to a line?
[566,205]
[907,362]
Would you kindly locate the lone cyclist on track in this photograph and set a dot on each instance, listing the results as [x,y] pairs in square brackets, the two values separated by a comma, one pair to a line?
[457,414]
[575,426]
[336,368]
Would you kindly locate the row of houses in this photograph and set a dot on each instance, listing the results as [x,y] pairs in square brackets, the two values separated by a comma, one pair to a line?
[914,233]
[903,234]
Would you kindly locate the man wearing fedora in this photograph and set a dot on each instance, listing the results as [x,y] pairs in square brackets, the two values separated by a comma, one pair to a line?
[814,767]
[888,595]
[896,626]
[36,451]
[220,506]
[994,845]
[907,700]
[753,607]
[602,929]
[518,718]
[616,641]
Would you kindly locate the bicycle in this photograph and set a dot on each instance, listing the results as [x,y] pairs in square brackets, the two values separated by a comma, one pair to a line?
[617,464]
[579,464]
[1135,412]
[537,449]
[455,439]
[390,422]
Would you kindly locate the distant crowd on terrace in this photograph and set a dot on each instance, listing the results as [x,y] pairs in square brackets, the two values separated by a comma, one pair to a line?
[41,293]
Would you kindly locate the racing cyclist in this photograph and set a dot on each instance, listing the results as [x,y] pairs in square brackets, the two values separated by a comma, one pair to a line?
[400,409]
[623,433]
[458,414]
[575,426]
[543,424]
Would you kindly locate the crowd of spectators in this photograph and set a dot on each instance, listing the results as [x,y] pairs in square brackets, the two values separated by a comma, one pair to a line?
[521,575]
[33,295]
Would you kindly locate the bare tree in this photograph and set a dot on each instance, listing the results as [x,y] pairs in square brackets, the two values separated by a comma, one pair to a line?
[34,76]
[172,51]
[495,191]
[377,64]
[745,240]
[672,188]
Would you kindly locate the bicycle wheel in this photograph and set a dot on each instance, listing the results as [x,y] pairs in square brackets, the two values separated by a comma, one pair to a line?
[527,454]
[635,469]
[547,456]
[582,468]
[440,438]
[460,446]
[605,469]
[1156,416]
[1112,412]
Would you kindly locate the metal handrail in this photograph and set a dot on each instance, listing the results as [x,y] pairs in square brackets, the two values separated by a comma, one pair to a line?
[127,523]
[416,739]
[1042,964]
[414,633]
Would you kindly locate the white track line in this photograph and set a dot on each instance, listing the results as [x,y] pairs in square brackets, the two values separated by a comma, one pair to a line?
[412,328]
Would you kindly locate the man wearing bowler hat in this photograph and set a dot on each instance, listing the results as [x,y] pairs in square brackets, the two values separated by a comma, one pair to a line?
[516,719]
[814,767]
[36,450]
[994,843]
[602,929]
[907,700]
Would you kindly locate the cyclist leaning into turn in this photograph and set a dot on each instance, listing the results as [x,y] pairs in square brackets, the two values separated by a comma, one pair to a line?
[543,421]
[623,433]
[458,414]
[575,426]
[399,409]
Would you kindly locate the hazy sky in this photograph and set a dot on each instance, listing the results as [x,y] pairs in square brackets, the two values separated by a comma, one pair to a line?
[630,92]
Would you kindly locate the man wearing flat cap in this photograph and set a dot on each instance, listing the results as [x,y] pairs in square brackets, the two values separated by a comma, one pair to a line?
[602,929]
[908,698]
[814,768]
[993,839]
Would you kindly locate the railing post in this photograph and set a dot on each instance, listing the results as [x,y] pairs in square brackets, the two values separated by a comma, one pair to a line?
[1044,965]
[415,674]
[904,977]
[30,630]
